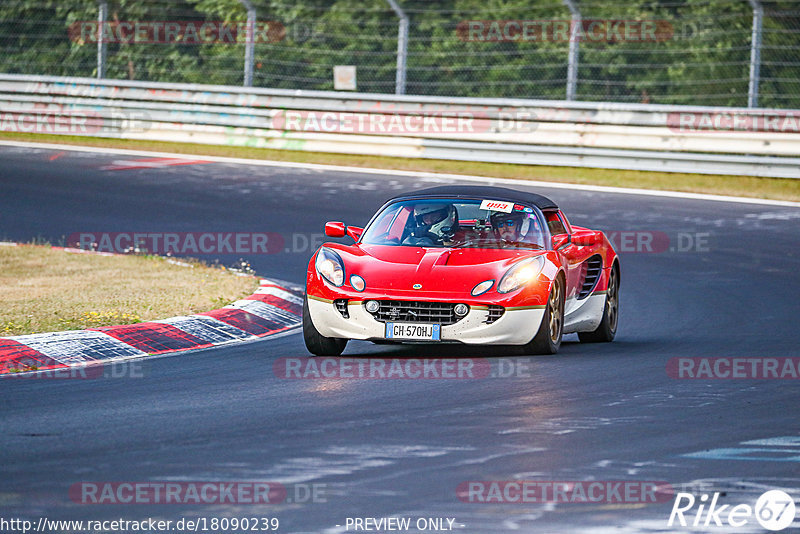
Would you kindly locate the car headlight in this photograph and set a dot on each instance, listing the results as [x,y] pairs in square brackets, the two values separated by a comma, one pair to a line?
[520,274]
[330,266]
[482,288]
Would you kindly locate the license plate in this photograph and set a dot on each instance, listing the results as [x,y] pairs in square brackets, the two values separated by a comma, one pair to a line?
[428,332]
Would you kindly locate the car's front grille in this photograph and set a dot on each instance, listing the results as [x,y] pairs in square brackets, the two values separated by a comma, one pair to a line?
[591,269]
[341,307]
[495,312]
[416,312]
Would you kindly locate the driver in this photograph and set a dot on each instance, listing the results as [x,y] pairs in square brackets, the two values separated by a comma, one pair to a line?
[435,223]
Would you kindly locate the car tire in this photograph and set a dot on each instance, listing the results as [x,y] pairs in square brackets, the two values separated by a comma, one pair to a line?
[607,329]
[548,339]
[316,343]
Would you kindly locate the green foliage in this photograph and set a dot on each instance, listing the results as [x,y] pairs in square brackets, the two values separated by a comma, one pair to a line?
[704,58]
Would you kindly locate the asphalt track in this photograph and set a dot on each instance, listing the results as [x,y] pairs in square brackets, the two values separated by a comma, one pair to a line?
[402,447]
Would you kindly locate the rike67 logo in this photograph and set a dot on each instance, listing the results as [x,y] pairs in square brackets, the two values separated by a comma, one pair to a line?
[774,510]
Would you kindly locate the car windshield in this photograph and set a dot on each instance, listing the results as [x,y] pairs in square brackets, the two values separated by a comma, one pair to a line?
[457,223]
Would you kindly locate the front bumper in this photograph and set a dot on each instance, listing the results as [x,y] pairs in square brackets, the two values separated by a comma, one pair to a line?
[516,326]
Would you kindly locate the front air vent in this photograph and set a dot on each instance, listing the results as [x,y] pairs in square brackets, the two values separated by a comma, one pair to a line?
[416,312]
[341,307]
[590,271]
[495,312]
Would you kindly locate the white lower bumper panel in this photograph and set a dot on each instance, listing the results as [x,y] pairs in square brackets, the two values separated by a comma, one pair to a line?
[514,327]
[585,315]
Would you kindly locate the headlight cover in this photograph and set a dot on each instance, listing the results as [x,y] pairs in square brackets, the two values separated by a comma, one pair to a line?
[330,266]
[482,288]
[520,274]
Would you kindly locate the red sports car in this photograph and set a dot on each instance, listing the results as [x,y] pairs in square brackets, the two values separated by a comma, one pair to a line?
[462,264]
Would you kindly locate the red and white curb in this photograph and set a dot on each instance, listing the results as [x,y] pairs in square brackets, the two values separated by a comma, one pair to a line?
[270,310]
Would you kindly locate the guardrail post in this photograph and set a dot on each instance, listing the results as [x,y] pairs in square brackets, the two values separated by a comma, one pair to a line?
[574,42]
[249,50]
[402,49]
[102,16]
[755,54]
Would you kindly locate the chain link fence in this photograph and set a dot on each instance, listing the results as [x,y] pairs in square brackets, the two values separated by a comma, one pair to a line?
[651,51]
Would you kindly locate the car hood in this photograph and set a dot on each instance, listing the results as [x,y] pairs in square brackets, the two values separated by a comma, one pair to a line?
[387,268]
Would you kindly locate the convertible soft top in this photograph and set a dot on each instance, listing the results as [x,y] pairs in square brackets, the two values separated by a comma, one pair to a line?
[482,192]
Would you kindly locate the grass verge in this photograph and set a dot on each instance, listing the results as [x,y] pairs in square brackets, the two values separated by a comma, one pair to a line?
[45,290]
[743,186]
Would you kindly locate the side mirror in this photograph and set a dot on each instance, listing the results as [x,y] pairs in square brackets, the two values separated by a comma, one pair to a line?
[354,232]
[586,239]
[560,240]
[334,229]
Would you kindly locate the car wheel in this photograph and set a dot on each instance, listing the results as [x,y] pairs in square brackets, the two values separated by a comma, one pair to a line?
[608,325]
[316,343]
[548,339]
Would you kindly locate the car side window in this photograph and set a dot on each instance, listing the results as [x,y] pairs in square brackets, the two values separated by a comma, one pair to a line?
[565,221]
[554,223]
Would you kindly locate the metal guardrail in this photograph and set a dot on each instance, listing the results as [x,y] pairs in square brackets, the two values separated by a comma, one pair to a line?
[742,141]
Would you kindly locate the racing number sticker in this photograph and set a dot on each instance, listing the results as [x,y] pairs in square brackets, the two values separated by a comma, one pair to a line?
[497,205]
